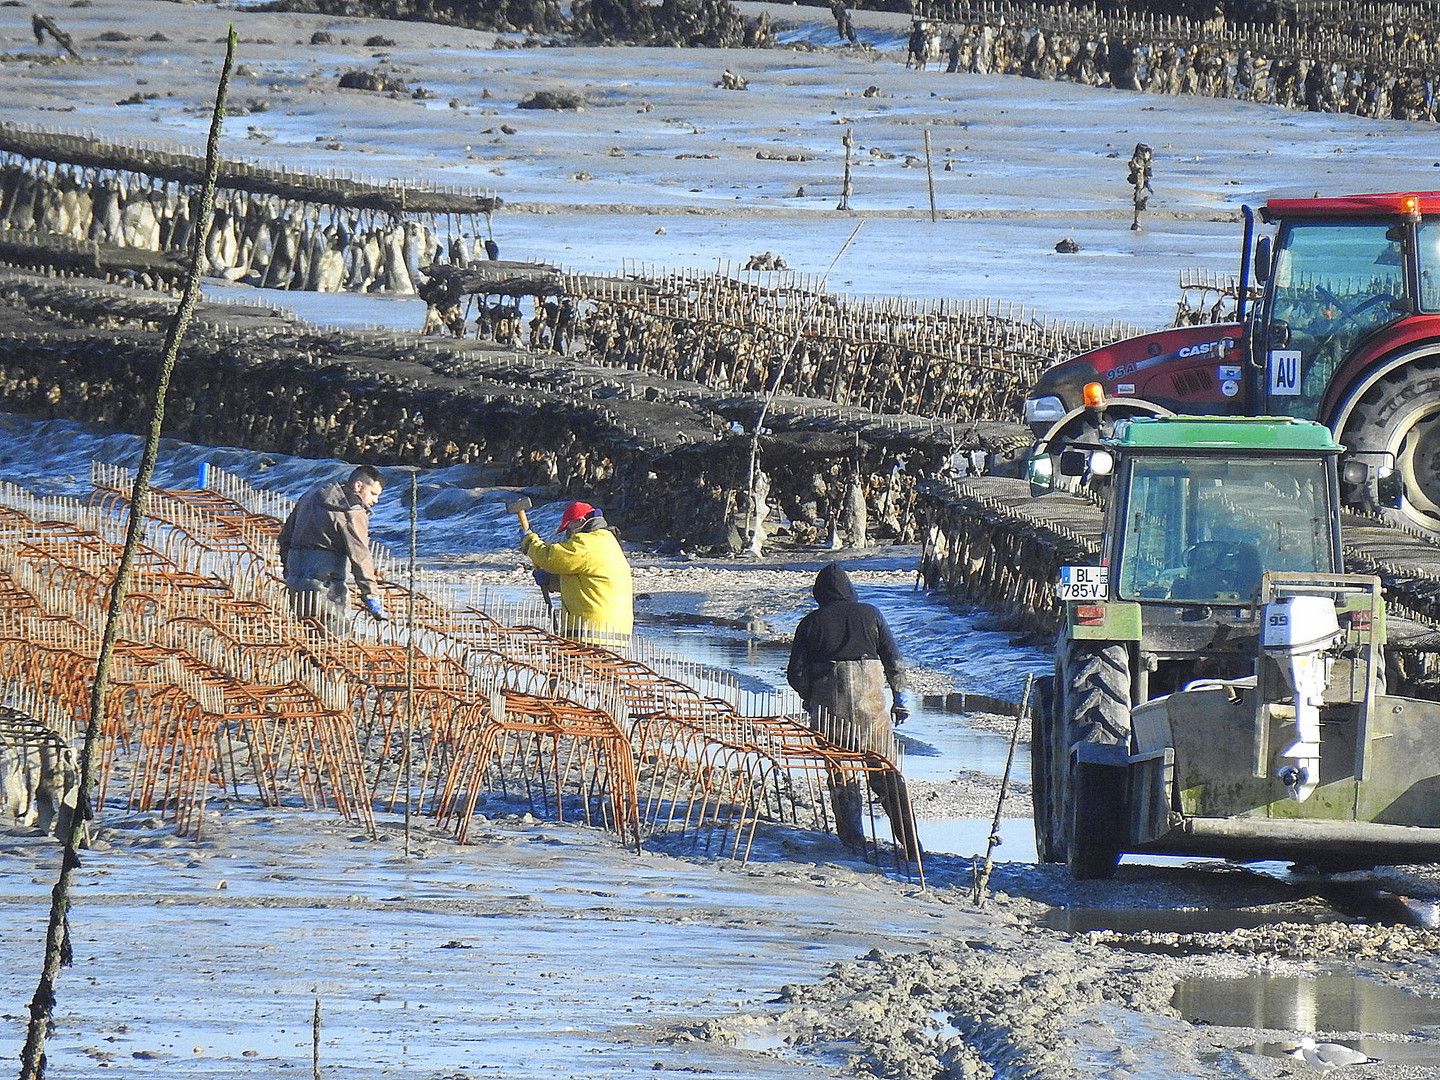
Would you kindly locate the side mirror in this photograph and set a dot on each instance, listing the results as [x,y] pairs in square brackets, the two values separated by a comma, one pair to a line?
[1378,468]
[1040,471]
[1263,256]
[1390,489]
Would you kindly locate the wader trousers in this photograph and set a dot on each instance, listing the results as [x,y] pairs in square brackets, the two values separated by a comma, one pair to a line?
[848,707]
[315,579]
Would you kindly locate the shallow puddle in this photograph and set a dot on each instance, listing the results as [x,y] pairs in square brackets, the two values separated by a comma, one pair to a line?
[1362,900]
[1331,1001]
[970,836]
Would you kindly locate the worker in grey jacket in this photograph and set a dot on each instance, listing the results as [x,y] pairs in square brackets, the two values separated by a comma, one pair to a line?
[326,535]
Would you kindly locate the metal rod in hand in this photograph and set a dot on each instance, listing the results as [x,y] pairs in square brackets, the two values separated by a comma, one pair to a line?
[982,876]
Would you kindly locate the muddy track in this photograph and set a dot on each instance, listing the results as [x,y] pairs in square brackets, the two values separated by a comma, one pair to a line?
[1029,1001]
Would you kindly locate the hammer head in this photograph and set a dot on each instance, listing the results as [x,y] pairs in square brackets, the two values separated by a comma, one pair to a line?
[516,506]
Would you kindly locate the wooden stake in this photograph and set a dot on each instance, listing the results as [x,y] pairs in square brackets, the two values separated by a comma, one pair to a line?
[982,875]
[930,174]
[756,511]
[57,938]
[849,143]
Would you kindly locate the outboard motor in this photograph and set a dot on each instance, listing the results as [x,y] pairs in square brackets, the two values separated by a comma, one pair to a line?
[1298,632]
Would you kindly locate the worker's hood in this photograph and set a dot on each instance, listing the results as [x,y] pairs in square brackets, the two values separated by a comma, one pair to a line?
[832,584]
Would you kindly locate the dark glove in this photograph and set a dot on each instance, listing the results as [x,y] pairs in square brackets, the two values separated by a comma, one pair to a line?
[544,579]
[900,709]
[374,607]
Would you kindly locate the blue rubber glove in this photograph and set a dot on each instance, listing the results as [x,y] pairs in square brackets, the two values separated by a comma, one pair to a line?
[900,709]
[374,607]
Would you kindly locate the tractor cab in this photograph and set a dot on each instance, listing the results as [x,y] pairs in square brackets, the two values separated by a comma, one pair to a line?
[1337,320]
[1219,682]
[1202,529]
[1200,508]
[1337,273]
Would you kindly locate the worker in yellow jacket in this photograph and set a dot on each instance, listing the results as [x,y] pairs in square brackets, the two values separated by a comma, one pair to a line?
[595,588]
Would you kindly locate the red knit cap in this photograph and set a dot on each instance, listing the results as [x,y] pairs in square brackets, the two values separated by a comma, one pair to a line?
[576,511]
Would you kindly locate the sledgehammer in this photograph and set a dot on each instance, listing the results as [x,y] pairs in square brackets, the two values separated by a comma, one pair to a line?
[518,507]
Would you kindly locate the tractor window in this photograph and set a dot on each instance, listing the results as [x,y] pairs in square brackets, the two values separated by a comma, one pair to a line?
[1428,236]
[1200,530]
[1332,284]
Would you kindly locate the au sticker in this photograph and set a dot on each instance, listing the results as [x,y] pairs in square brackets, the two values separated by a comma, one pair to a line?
[1285,372]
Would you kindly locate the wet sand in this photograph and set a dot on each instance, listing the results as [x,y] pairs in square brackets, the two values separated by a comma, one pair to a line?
[550,948]
[537,948]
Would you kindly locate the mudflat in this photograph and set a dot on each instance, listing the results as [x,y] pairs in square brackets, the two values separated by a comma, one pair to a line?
[551,950]
[662,167]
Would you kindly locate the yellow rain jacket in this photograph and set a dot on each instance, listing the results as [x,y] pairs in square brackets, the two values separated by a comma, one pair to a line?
[595,586]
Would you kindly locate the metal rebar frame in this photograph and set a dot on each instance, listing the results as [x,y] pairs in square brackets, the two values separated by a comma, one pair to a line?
[218,688]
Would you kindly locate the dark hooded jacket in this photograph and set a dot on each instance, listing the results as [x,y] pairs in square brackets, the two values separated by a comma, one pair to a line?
[841,629]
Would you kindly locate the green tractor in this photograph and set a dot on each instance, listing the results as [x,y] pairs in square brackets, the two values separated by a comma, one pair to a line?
[1220,684]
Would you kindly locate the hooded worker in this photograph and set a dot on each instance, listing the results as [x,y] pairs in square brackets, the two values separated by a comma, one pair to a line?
[842,656]
[595,589]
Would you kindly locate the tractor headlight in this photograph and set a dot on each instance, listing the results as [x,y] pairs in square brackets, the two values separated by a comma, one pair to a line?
[1044,410]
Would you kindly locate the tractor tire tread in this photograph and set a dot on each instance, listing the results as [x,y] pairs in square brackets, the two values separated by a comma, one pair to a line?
[1379,422]
[1094,693]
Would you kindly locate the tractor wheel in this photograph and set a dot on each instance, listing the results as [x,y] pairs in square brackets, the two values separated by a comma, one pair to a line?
[1046,795]
[1401,414]
[1096,698]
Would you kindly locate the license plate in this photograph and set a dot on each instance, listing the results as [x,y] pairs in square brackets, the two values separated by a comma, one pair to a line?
[1084,582]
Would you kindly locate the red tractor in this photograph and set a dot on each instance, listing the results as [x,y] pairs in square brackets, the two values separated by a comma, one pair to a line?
[1346,331]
